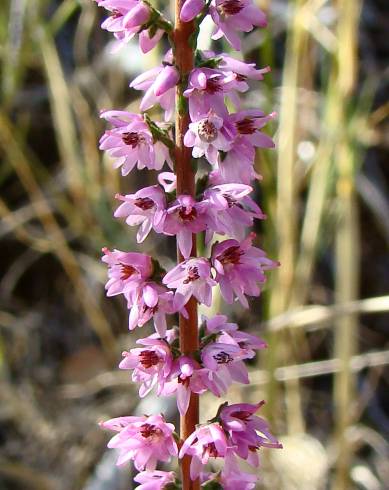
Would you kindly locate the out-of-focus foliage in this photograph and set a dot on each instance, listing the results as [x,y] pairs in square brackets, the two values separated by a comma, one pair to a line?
[324,191]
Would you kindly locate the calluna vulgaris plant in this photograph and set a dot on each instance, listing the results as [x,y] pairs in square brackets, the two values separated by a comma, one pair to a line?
[195,86]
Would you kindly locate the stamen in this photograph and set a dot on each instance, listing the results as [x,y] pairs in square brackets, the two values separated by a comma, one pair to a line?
[207,131]
[127,271]
[246,126]
[149,358]
[132,139]
[144,203]
[193,275]
[187,213]
[230,7]
[231,256]
[223,358]
[148,430]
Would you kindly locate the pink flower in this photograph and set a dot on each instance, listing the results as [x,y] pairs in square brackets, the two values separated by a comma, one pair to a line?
[208,136]
[240,269]
[233,478]
[146,208]
[246,431]
[151,364]
[185,217]
[131,143]
[242,70]
[229,332]
[207,441]
[151,301]
[154,480]
[223,364]
[190,9]
[248,124]
[159,85]
[185,378]
[231,210]
[126,271]
[231,16]
[148,39]
[191,278]
[126,20]
[206,90]
[145,440]
[237,166]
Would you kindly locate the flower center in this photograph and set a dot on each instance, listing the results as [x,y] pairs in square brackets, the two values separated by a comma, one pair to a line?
[207,131]
[149,430]
[223,358]
[127,271]
[213,85]
[148,358]
[144,203]
[241,415]
[231,201]
[231,256]
[187,213]
[240,77]
[193,275]
[115,14]
[132,139]
[184,381]
[246,126]
[210,448]
[230,7]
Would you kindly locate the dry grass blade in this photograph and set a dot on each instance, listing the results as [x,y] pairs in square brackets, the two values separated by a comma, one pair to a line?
[318,316]
[347,244]
[13,149]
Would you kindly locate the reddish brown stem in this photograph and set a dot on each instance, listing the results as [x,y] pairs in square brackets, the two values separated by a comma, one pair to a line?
[184,58]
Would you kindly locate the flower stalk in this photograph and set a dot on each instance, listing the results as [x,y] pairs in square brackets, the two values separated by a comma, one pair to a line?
[191,86]
[186,184]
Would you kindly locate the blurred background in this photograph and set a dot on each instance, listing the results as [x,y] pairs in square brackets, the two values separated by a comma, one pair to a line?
[324,312]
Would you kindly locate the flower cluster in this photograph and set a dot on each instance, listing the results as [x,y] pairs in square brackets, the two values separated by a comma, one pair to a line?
[214,367]
[225,137]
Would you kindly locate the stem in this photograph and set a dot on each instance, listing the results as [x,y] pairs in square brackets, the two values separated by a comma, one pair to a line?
[184,59]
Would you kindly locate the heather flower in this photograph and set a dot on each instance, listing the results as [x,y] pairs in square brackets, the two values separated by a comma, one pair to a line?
[184,217]
[154,480]
[131,143]
[126,271]
[240,269]
[151,364]
[126,20]
[148,39]
[207,441]
[151,301]
[191,278]
[185,378]
[233,478]
[231,210]
[232,16]
[237,166]
[248,125]
[206,90]
[159,86]
[223,364]
[146,208]
[247,431]
[241,69]
[229,332]
[190,9]
[208,136]
[145,440]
